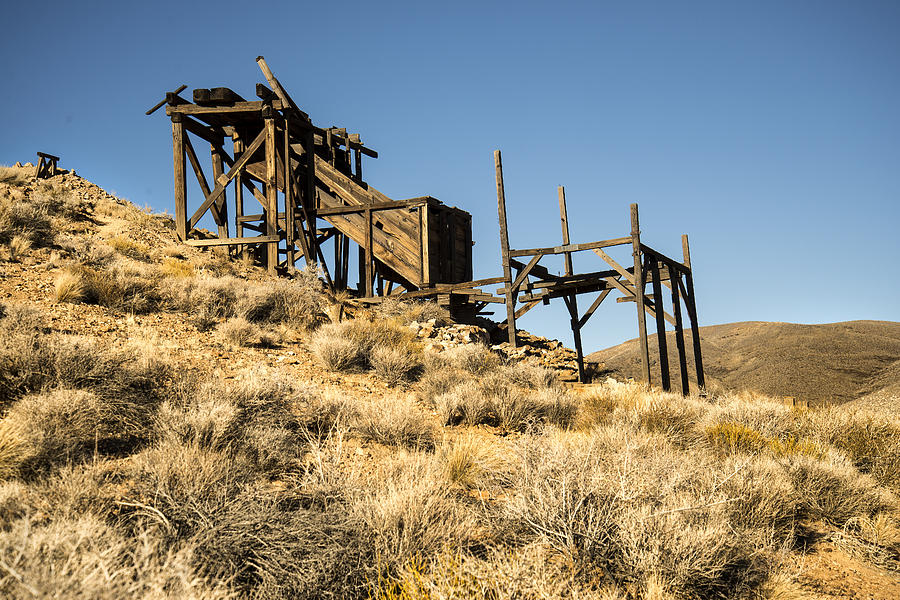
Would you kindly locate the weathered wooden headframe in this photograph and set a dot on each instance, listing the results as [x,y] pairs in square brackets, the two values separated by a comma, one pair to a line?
[309,184]
[530,284]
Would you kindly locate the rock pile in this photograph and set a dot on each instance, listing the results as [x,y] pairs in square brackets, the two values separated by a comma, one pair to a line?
[438,338]
[548,353]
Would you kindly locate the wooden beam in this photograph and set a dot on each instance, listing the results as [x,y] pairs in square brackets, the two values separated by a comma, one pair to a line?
[660,326]
[571,247]
[524,272]
[225,179]
[639,292]
[505,252]
[263,239]
[271,193]
[679,338]
[611,262]
[181,226]
[593,307]
[688,293]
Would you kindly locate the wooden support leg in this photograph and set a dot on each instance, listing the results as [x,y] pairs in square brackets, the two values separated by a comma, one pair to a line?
[271,193]
[660,326]
[639,292]
[180,181]
[345,263]
[238,148]
[679,333]
[572,305]
[369,253]
[691,306]
[221,204]
[290,219]
[695,329]
[504,252]
[338,261]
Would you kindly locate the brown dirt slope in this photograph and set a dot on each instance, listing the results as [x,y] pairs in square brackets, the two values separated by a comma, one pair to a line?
[834,362]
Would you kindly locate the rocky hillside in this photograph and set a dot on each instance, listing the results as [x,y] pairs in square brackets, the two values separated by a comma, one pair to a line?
[831,363]
[177,424]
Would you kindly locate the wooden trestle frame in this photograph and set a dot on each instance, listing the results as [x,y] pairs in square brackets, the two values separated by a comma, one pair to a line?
[528,283]
[302,175]
[46,166]
[309,184]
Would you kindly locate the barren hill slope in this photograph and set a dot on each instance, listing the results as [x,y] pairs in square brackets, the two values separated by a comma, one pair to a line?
[834,362]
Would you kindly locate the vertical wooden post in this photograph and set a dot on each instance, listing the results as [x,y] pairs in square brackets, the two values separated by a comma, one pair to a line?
[369,272]
[271,190]
[345,261]
[504,251]
[572,301]
[639,292]
[691,306]
[238,144]
[311,203]
[222,202]
[338,260]
[660,325]
[290,218]
[422,281]
[358,157]
[675,281]
[180,181]
[564,222]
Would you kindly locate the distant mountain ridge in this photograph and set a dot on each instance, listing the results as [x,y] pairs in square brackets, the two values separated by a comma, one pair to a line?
[832,363]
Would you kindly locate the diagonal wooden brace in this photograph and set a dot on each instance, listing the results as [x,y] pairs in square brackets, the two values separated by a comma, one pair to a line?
[224,180]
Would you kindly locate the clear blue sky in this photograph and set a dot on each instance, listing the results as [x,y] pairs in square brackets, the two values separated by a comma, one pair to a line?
[768,131]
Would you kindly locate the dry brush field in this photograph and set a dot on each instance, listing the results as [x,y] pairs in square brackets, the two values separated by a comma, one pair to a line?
[177,425]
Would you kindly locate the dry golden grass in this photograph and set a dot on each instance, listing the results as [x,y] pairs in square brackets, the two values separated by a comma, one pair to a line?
[70,286]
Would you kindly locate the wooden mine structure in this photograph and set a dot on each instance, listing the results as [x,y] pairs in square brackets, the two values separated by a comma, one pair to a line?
[308,183]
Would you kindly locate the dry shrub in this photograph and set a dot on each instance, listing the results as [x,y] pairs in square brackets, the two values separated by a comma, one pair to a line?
[297,303]
[834,491]
[394,420]
[337,354]
[16,176]
[410,513]
[19,246]
[473,358]
[323,413]
[870,440]
[31,362]
[128,247]
[596,408]
[349,345]
[19,216]
[462,405]
[515,408]
[529,374]
[70,286]
[472,461]
[85,558]
[532,571]
[396,364]
[646,512]
[241,332]
[68,425]
[13,449]
[252,419]
[119,287]
[438,380]
[175,268]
